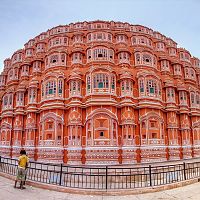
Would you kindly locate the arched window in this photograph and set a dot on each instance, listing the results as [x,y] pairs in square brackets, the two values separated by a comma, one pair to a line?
[37,66]
[138,58]
[25,70]
[28,52]
[77,39]
[187,73]
[88,84]
[42,36]
[58,41]
[89,54]
[40,47]
[183,98]
[185,56]
[89,37]
[7,63]
[75,88]
[197,100]
[30,43]
[149,87]
[172,51]
[141,40]
[100,80]
[126,87]
[164,65]
[10,74]
[141,84]
[134,40]
[101,83]
[145,58]
[62,58]
[192,99]
[20,99]
[32,95]
[160,46]
[51,88]
[124,57]
[17,58]
[99,36]
[60,87]
[8,101]
[196,63]
[100,54]
[192,74]
[121,38]
[2,80]
[177,70]
[5,100]
[77,58]
[43,91]
[11,99]
[170,95]
[15,73]
[113,83]
[54,59]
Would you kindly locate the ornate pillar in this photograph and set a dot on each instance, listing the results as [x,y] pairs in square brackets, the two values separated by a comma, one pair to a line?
[37,134]
[65,137]
[191,136]
[180,138]
[11,137]
[119,139]
[83,144]
[166,136]
[137,137]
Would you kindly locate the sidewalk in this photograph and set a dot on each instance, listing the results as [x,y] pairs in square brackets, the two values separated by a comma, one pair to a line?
[8,192]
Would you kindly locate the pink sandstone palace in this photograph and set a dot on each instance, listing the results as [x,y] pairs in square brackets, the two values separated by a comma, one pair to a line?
[100,93]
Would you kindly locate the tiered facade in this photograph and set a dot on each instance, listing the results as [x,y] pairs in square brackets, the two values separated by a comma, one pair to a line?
[101,93]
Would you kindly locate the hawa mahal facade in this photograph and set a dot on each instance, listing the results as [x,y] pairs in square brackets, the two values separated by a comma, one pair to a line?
[100,93]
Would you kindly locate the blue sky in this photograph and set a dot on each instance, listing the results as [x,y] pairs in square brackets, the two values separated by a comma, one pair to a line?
[21,20]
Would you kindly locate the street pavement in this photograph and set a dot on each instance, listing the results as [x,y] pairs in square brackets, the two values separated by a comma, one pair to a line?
[8,192]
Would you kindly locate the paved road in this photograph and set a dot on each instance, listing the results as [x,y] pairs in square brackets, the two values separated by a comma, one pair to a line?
[7,192]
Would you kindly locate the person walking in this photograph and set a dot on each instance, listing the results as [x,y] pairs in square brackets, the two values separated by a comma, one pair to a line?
[22,166]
